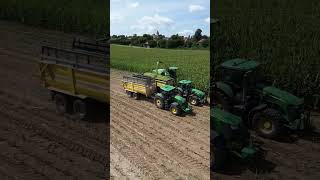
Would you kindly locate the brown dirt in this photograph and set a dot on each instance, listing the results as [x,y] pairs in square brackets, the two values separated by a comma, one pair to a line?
[158,144]
[35,142]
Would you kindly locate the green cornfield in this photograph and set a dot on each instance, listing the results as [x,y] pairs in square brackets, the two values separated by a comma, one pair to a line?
[81,16]
[193,64]
[282,34]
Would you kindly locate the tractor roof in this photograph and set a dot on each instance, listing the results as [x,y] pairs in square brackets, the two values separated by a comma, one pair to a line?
[225,116]
[185,81]
[173,68]
[240,64]
[167,88]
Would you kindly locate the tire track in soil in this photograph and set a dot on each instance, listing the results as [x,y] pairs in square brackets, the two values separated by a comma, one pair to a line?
[163,134]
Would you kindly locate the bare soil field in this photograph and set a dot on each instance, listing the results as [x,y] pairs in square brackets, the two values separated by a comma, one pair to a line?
[35,142]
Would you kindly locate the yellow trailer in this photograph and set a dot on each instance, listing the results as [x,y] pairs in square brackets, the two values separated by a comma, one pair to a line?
[137,85]
[75,78]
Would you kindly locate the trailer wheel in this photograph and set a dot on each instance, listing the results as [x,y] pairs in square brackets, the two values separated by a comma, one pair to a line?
[62,103]
[129,94]
[194,100]
[175,109]
[135,96]
[80,109]
[159,103]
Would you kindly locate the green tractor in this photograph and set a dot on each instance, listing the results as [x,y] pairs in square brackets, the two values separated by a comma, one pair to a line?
[194,96]
[239,88]
[228,136]
[164,76]
[167,99]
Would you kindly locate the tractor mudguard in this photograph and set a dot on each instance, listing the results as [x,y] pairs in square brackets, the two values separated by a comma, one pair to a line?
[254,110]
[224,88]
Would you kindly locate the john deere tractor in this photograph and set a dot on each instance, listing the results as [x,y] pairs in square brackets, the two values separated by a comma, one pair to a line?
[228,136]
[167,99]
[164,76]
[239,88]
[194,96]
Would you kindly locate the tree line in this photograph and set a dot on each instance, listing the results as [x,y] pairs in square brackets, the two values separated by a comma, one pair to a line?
[197,41]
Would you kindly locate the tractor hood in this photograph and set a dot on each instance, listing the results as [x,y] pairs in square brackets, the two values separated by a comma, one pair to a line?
[180,99]
[198,93]
[283,96]
[225,117]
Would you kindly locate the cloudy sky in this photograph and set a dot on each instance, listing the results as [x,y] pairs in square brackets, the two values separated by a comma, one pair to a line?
[130,17]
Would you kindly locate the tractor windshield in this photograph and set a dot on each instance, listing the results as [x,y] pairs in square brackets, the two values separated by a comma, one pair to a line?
[230,76]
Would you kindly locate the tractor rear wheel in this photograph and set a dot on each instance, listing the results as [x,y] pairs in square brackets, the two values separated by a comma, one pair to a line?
[159,102]
[175,109]
[80,109]
[267,123]
[62,103]
[221,101]
[193,100]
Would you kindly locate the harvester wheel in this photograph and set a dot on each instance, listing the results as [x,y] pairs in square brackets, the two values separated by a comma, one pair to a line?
[62,103]
[220,153]
[175,109]
[135,96]
[159,103]
[267,123]
[80,109]
[220,100]
[193,100]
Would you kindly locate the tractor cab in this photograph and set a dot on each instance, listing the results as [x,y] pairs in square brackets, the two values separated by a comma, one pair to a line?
[168,91]
[239,72]
[185,86]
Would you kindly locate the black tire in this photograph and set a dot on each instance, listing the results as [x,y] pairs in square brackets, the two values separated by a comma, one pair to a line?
[62,103]
[193,100]
[80,110]
[175,109]
[219,153]
[220,100]
[129,94]
[267,123]
[135,96]
[159,102]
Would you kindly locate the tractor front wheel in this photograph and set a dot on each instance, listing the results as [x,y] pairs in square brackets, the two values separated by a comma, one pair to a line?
[193,100]
[175,109]
[159,103]
[267,123]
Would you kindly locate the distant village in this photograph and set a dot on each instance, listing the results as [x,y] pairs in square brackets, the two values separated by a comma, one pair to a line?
[157,40]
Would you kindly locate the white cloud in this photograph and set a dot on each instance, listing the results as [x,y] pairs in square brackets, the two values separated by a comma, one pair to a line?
[133,4]
[186,32]
[116,18]
[207,20]
[152,23]
[194,8]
